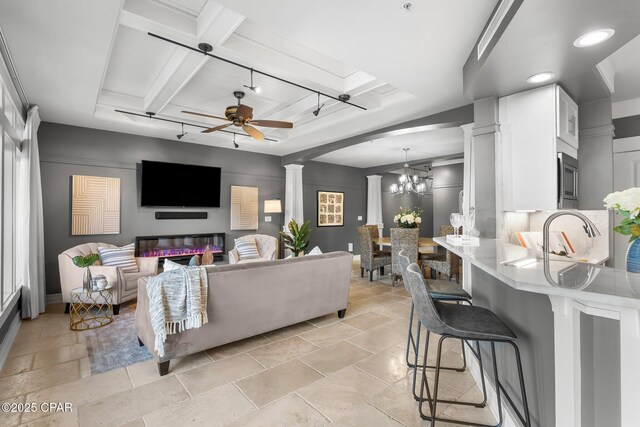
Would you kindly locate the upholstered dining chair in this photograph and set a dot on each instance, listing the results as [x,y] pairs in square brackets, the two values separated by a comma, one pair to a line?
[445,262]
[370,260]
[403,239]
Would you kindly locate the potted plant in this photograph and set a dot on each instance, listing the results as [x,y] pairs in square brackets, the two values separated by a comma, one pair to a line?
[86,261]
[297,239]
[627,204]
[408,218]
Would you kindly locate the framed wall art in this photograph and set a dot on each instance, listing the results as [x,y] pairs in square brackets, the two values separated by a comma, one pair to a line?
[330,209]
[244,208]
[95,205]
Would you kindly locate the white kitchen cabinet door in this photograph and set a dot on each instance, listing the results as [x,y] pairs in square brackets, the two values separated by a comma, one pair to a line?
[626,174]
[567,118]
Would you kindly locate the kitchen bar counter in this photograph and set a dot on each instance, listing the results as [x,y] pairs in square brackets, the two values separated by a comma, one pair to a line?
[573,288]
[518,267]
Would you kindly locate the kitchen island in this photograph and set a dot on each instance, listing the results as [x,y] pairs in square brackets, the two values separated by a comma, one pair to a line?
[543,303]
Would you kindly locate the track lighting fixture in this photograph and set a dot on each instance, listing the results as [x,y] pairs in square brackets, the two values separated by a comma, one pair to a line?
[235,144]
[183,132]
[256,89]
[317,110]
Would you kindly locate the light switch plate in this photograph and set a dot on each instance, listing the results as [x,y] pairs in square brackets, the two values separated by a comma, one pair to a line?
[359,217]
[267,219]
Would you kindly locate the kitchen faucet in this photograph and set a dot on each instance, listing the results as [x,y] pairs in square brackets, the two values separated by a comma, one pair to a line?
[589,228]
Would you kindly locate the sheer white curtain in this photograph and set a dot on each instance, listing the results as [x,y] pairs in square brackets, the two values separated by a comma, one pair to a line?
[29,224]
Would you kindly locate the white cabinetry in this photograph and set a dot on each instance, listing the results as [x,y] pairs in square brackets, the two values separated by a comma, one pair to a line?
[528,151]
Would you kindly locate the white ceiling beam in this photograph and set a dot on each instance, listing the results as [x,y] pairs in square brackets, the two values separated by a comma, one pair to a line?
[151,17]
[216,25]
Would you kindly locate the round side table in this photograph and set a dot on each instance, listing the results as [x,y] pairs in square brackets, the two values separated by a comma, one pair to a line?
[90,309]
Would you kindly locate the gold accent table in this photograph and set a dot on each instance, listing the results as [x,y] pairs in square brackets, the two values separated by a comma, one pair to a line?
[90,309]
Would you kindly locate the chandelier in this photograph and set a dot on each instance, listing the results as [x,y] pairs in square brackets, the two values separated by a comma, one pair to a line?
[413,180]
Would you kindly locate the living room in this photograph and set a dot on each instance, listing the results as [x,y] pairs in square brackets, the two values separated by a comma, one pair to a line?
[228,213]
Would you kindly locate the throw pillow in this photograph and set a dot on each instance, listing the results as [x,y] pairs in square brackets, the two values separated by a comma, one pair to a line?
[315,251]
[194,261]
[171,265]
[119,257]
[247,249]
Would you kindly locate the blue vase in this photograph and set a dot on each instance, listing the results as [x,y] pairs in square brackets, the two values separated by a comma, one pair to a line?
[633,257]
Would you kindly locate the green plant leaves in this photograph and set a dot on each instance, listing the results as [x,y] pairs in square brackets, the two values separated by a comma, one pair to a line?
[86,260]
[298,237]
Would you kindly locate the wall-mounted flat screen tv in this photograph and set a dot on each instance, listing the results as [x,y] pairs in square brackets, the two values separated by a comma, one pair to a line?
[175,184]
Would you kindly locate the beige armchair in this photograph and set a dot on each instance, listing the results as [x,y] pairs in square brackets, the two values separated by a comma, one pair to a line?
[267,246]
[126,284]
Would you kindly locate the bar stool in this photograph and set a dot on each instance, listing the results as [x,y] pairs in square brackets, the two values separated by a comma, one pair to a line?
[465,322]
[441,290]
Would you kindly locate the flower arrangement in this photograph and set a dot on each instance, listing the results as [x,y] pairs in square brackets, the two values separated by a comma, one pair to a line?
[408,218]
[627,204]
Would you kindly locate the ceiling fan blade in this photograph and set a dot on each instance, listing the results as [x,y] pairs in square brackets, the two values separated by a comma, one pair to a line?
[213,129]
[272,124]
[253,132]
[245,112]
[206,115]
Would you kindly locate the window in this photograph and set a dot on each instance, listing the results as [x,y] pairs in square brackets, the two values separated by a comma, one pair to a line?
[10,124]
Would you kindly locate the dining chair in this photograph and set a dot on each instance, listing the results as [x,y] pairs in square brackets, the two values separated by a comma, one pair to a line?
[445,262]
[403,239]
[370,259]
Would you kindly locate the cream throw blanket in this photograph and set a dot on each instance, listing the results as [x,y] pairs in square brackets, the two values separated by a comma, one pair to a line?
[177,302]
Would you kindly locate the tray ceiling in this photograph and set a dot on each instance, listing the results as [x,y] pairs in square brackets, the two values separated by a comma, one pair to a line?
[94,59]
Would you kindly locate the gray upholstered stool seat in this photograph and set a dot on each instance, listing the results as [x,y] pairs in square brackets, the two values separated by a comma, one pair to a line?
[464,323]
[445,290]
[471,322]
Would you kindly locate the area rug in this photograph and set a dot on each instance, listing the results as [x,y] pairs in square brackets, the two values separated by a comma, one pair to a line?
[115,345]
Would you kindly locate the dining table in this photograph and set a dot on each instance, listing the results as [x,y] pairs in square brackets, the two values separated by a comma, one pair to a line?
[425,244]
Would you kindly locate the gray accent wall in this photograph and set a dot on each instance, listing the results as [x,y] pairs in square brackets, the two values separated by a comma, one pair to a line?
[448,182]
[391,204]
[627,126]
[70,150]
[352,182]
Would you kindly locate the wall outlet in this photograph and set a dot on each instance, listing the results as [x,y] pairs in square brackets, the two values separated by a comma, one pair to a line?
[359,217]
[350,247]
[267,219]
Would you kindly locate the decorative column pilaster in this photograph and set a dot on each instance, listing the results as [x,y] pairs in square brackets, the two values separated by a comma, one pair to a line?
[293,202]
[374,201]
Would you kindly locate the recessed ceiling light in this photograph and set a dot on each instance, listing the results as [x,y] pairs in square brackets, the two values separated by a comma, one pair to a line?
[541,77]
[593,38]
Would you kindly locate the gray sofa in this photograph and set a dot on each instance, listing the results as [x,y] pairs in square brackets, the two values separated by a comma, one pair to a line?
[250,299]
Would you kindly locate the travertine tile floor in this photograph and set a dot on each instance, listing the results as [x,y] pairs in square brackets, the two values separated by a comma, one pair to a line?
[349,372]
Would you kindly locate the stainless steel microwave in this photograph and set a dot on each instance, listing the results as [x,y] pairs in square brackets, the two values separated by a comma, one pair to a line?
[567,182]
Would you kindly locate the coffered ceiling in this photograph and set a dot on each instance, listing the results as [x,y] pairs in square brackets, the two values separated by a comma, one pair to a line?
[82,60]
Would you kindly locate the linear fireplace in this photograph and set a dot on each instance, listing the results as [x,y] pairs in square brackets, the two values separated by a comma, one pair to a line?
[180,247]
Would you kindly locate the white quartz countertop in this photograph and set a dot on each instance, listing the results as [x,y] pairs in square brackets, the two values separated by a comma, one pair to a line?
[579,281]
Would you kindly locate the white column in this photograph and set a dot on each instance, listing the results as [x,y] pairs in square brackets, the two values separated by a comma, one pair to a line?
[468,200]
[374,201]
[630,375]
[566,328]
[293,203]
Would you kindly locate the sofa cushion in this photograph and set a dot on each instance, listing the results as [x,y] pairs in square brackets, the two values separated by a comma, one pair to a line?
[247,249]
[119,257]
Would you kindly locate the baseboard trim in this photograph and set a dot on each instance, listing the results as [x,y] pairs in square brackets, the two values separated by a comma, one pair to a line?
[5,345]
[53,298]
[356,257]
[510,419]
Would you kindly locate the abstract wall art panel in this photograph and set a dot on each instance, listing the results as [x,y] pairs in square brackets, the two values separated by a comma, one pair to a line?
[244,208]
[95,205]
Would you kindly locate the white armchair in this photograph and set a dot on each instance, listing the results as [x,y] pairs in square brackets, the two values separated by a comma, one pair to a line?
[125,284]
[267,246]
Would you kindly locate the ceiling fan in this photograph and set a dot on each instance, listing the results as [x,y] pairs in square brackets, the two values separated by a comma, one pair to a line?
[242,116]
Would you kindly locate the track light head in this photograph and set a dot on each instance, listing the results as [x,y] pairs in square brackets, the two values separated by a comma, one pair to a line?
[317,111]
[235,144]
[183,132]
[180,136]
[256,89]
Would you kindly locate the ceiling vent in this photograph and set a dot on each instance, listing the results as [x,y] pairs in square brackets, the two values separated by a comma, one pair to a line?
[491,30]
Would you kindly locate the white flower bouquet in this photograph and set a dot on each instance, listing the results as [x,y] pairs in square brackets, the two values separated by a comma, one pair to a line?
[408,218]
[627,204]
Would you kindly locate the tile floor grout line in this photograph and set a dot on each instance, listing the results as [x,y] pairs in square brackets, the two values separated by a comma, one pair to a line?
[246,397]
[312,405]
[323,375]
[256,360]
[183,386]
